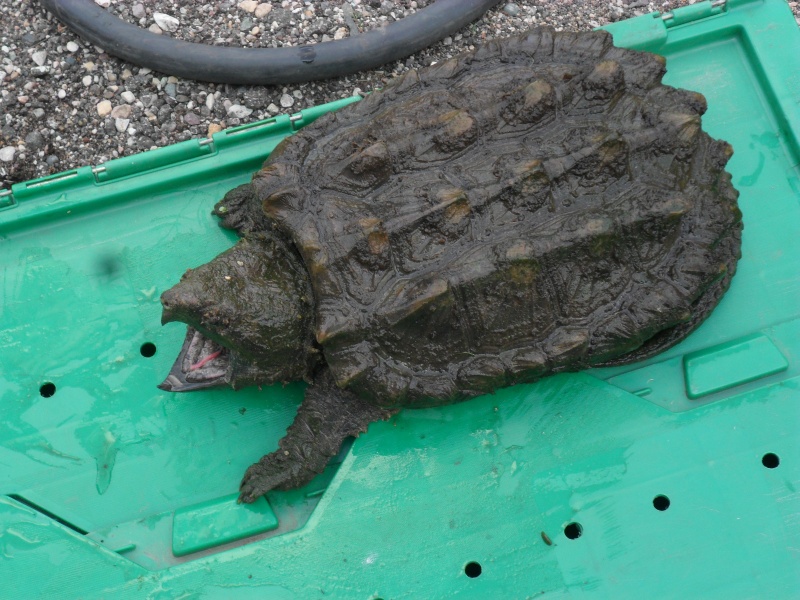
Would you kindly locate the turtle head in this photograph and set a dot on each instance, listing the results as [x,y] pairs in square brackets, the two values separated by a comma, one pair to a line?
[250,318]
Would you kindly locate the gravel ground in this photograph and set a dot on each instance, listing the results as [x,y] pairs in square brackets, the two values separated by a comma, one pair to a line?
[65,103]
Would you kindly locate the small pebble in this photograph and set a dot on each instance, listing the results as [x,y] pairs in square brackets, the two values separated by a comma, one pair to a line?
[7,153]
[128,96]
[191,118]
[39,57]
[61,94]
[87,80]
[262,10]
[40,71]
[248,5]
[210,101]
[154,29]
[104,108]
[121,124]
[103,3]
[214,128]
[287,101]
[123,111]
[239,111]
[38,113]
[72,46]
[511,9]
[246,24]
[137,10]
[272,109]
[166,22]
[34,140]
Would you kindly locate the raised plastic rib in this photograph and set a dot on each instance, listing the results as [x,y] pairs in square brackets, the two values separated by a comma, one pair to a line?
[219,521]
[730,364]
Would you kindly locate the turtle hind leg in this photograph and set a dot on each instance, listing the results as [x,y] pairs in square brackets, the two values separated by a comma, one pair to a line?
[326,417]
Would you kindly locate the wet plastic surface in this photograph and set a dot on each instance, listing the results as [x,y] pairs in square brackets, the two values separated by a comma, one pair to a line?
[677,475]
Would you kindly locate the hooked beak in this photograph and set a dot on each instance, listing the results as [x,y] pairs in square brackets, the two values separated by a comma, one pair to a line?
[201,363]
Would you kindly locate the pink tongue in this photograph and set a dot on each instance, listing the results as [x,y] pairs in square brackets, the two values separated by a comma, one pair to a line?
[207,359]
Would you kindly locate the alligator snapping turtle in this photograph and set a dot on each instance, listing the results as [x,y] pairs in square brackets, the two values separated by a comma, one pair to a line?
[543,204]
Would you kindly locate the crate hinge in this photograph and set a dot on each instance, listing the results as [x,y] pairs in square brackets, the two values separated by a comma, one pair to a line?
[694,12]
[6,199]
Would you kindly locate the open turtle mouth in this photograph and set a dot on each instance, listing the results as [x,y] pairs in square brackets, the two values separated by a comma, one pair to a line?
[202,363]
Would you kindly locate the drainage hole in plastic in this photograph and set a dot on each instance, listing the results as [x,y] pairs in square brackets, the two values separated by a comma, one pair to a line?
[148,349]
[47,389]
[661,503]
[573,531]
[770,460]
[473,569]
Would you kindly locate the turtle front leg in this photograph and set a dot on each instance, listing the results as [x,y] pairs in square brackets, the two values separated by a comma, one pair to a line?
[325,418]
[240,210]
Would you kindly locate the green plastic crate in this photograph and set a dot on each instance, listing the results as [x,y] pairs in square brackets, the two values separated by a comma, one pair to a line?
[672,478]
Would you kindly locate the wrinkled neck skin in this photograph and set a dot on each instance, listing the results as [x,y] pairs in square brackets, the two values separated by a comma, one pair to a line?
[250,318]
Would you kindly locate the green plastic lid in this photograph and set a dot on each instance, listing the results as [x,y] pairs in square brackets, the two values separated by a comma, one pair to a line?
[672,478]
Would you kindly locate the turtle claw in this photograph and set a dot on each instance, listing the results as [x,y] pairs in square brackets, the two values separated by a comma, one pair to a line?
[273,471]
